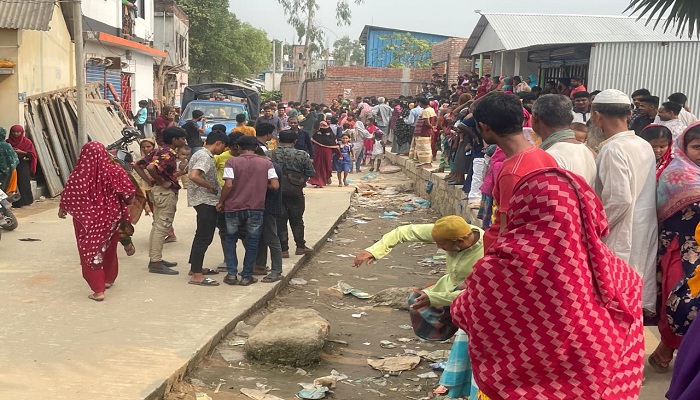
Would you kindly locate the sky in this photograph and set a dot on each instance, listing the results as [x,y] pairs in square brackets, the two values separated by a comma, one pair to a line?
[450,17]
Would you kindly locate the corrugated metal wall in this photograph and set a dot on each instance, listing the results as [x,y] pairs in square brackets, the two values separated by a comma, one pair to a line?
[97,73]
[663,70]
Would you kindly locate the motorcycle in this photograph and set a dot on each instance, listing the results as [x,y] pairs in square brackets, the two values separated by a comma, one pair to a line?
[119,150]
[8,221]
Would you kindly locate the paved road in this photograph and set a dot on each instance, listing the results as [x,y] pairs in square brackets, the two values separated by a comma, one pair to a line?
[57,344]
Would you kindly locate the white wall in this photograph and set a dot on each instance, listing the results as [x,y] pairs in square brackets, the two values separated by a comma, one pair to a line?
[143,27]
[105,11]
[142,80]
[663,70]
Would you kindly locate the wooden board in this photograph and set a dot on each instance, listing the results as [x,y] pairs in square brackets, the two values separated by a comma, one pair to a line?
[55,143]
[34,132]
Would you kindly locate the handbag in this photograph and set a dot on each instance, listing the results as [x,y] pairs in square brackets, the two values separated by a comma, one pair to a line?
[683,303]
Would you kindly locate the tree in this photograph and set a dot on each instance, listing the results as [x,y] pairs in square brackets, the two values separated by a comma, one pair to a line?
[683,15]
[301,15]
[407,51]
[348,52]
[221,46]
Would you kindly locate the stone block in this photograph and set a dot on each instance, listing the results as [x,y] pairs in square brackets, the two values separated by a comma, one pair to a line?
[291,337]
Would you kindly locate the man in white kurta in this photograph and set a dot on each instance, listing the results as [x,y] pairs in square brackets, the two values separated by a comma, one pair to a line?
[626,184]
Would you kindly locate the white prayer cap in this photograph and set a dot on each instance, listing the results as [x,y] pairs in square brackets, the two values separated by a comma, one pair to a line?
[611,96]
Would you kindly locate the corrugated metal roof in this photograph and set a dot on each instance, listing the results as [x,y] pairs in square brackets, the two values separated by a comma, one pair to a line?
[26,14]
[520,31]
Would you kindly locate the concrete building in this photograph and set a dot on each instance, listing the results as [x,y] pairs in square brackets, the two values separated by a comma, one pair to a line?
[447,61]
[35,44]
[607,51]
[119,49]
[171,27]
[376,38]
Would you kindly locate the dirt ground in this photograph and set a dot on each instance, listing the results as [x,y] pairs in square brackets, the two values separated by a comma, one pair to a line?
[406,266]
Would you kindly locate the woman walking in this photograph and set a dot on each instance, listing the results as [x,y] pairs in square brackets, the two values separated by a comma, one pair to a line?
[26,153]
[325,145]
[96,195]
[8,162]
[402,132]
[678,210]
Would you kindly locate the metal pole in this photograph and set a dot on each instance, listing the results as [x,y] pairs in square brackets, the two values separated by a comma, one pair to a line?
[274,65]
[481,65]
[79,71]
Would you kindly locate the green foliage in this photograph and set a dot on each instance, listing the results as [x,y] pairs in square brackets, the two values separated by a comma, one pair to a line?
[221,46]
[270,95]
[681,15]
[347,51]
[407,50]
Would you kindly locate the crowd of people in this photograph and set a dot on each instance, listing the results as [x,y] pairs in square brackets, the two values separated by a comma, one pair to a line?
[589,209]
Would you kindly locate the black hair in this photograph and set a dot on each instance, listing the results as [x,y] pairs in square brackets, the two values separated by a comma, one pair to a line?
[219,127]
[554,110]
[595,93]
[264,129]
[173,132]
[641,92]
[579,95]
[144,102]
[267,107]
[673,107]
[536,88]
[197,114]
[259,151]
[576,78]
[248,143]
[240,118]
[528,97]
[288,136]
[233,138]
[216,136]
[690,135]
[503,113]
[334,120]
[517,78]
[679,98]
[653,100]
[652,132]
[612,110]
[423,101]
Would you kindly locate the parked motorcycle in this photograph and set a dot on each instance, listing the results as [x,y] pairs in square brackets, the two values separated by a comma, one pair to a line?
[119,150]
[8,221]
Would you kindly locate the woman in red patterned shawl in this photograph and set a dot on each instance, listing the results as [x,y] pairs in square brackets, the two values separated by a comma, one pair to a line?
[96,195]
[550,311]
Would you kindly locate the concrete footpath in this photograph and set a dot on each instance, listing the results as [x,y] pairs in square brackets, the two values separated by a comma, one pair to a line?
[58,344]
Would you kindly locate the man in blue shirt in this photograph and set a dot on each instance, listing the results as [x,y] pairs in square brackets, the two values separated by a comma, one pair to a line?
[303,138]
[141,116]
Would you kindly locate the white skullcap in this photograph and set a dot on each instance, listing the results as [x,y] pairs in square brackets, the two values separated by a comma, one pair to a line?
[381,99]
[611,96]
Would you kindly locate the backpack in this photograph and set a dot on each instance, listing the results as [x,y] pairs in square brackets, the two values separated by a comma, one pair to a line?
[293,182]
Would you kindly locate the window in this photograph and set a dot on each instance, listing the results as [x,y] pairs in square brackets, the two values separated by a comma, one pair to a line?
[141,4]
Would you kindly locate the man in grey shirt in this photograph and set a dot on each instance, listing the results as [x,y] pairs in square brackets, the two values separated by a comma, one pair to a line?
[270,118]
[203,194]
[382,115]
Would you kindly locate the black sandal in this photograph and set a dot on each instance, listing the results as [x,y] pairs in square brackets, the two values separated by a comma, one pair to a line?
[248,282]
[271,278]
[231,281]
[205,282]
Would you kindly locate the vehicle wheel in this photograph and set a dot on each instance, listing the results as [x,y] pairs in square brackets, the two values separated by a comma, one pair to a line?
[7,213]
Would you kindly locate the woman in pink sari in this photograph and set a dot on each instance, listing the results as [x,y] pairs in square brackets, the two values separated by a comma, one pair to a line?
[325,145]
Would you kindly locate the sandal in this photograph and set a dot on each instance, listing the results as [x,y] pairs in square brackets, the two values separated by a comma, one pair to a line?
[205,282]
[206,271]
[271,278]
[659,365]
[260,271]
[130,249]
[229,280]
[222,268]
[108,285]
[248,282]
[92,297]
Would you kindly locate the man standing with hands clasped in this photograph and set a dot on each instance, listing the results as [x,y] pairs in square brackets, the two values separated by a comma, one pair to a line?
[203,195]
[429,307]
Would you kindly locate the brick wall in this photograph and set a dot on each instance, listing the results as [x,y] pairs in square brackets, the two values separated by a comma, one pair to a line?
[361,81]
[445,58]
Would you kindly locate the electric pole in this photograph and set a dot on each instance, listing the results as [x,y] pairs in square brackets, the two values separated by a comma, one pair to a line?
[79,72]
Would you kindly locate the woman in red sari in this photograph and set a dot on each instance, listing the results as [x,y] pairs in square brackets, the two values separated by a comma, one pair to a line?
[96,195]
[325,145]
[550,311]
[27,164]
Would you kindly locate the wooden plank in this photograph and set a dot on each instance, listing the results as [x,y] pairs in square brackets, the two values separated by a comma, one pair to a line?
[55,143]
[53,181]
[59,125]
[71,127]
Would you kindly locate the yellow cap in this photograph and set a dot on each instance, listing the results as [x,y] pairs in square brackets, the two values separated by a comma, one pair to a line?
[451,227]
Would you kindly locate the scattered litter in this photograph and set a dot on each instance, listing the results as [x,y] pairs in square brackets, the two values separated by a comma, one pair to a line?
[238,342]
[231,356]
[386,344]
[313,280]
[393,297]
[324,262]
[360,315]
[406,327]
[367,343]
[343,342]
[301,372]
[349,181]
[257,394]
[376,392]
[313,393]
[331,380]
[369,176]
[334,274]
[218,387]
[410,352]
[202,396]
[422,203]
[242,329]
[345,255]
[438,366]
[374,278]
[428,187]
[345,288]
[197,382]
[440,257]
[392,213]
[29,240]
[359,221]
[430,262]
[404,340]
[393,364]
[329,240]
[428,375]
[407,207]
[298,281]
[437,355]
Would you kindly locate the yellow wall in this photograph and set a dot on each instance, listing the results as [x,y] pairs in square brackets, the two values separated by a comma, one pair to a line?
[9,83]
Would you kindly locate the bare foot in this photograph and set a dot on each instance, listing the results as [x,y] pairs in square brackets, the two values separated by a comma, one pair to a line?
[130,249]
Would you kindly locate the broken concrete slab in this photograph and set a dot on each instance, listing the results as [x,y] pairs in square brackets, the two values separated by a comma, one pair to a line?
[289,337]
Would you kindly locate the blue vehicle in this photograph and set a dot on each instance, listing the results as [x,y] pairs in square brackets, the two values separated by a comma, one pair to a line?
[197,97]
[216,112]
